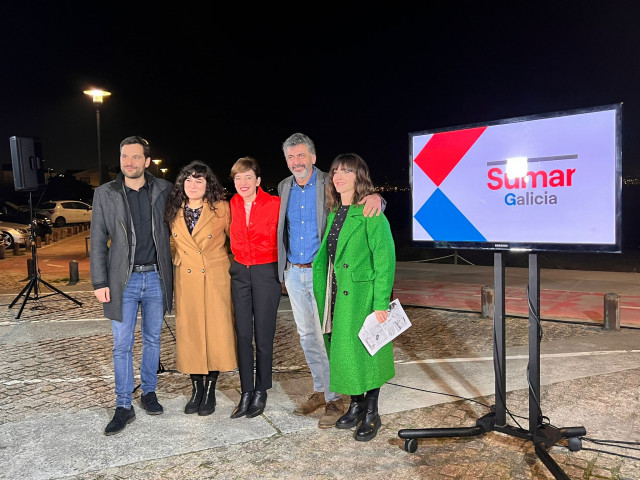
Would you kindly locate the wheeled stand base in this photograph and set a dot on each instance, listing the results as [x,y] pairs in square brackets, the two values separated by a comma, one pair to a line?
[543,436]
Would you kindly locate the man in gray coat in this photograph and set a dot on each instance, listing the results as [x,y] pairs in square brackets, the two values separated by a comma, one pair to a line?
[131,267]
[301,226]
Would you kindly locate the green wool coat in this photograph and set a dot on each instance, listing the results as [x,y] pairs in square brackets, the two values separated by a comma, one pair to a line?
[365,270]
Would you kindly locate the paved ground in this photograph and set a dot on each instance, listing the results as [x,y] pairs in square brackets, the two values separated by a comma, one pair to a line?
[56,386]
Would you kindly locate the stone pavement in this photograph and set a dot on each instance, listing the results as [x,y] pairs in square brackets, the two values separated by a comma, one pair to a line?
[56,386]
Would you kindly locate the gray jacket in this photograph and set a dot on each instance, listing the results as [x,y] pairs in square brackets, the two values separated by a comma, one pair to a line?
[284,189]
[113,241]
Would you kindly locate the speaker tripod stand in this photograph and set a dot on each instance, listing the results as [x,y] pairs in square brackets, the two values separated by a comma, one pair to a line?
[31,290]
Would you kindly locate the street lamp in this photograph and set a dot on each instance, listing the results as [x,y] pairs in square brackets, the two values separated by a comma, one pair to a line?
[163,170]
[98,96]
[157,161]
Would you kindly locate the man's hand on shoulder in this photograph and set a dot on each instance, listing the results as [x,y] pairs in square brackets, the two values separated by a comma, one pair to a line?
[103,294]
[372,205]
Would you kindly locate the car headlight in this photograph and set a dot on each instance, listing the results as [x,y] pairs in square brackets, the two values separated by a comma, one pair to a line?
[22,231]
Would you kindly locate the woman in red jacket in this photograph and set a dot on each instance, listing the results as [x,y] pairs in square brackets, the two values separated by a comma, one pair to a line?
[255,287]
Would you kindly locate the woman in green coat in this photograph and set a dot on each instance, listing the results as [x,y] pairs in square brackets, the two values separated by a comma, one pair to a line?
[353,276]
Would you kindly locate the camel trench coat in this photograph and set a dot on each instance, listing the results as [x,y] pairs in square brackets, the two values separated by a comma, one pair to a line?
[205,334]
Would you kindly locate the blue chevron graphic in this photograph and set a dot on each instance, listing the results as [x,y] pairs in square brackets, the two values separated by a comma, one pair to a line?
[444,222]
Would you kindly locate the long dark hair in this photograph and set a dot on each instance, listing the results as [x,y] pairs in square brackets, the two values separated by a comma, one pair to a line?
[363,183]
[177,198]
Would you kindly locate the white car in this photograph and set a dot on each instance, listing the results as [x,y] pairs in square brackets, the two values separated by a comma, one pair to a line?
[61,212]
[11,233]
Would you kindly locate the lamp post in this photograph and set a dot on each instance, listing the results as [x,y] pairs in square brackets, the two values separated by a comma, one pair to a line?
[98,96]
[163,170]
[157,161]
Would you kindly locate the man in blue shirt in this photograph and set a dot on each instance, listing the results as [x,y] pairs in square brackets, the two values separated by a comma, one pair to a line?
[301,226]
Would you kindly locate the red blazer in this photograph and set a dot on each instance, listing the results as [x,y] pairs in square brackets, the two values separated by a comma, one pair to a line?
[257,243]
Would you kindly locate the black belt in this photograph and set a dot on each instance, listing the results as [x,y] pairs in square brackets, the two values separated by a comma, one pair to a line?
[145,268]
[303,265]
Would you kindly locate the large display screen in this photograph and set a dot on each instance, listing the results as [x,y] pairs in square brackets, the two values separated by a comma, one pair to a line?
[544,182]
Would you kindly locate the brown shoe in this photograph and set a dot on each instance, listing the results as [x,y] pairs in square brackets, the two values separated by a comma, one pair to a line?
[332,413]
[314,402]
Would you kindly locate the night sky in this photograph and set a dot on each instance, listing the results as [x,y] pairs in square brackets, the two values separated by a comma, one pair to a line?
[222,81]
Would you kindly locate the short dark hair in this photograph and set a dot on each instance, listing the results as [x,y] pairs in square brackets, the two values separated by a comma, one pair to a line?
[245,164]
[140,141]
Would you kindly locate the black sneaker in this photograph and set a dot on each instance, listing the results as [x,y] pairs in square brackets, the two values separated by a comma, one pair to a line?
[120,420]
[149,402]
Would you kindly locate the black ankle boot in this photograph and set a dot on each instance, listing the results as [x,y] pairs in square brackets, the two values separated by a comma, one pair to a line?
[243,406]
[371,423]
[258,402]
[355,414]
[208,403]
[196,394]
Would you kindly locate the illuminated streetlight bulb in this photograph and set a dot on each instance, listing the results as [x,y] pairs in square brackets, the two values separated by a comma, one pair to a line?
[157,161]
[97,94]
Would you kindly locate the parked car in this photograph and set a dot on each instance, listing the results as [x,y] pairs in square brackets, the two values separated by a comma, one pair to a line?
[61,212]
[11,233]
[10,212]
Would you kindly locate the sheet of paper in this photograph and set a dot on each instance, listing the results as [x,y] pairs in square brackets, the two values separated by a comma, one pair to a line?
[376,335]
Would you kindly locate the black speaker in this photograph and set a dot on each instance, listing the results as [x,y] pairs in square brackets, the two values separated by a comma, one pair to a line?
[28,168]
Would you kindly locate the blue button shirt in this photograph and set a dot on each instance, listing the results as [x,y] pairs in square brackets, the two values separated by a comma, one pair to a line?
[302,222]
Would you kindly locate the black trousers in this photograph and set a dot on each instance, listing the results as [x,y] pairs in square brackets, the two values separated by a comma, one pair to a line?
[256,293]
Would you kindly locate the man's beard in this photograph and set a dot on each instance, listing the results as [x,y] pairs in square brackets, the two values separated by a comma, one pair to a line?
[304,174]
[136,174]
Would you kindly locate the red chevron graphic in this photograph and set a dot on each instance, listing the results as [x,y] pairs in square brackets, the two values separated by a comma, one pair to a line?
[444,150]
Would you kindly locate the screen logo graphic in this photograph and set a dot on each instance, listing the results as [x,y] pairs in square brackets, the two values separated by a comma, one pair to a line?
[540,182]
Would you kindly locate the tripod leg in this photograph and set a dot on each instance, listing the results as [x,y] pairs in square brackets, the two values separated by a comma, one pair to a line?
[26,297]
[20,294]
[550,463]
[51,287]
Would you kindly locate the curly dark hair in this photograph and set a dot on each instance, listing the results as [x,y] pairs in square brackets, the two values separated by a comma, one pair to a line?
[177,198]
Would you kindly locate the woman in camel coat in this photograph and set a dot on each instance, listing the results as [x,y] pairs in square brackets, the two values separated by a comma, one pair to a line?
[199,218]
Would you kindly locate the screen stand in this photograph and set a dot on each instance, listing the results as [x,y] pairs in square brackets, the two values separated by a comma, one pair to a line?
[543,436]
[33,285]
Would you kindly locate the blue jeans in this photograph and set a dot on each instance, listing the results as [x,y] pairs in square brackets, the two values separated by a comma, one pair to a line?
[299,283]
[143,289]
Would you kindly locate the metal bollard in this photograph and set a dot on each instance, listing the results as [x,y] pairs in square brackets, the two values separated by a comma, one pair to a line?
[87,240]
[55,236]
[47,239]
[16,248]
[612,312]
[487,294]
[2,252]
[38,242]
[63,233]
[74,275]
[29,267]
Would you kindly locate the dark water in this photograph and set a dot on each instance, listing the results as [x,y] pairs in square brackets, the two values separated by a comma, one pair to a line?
[399,213]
